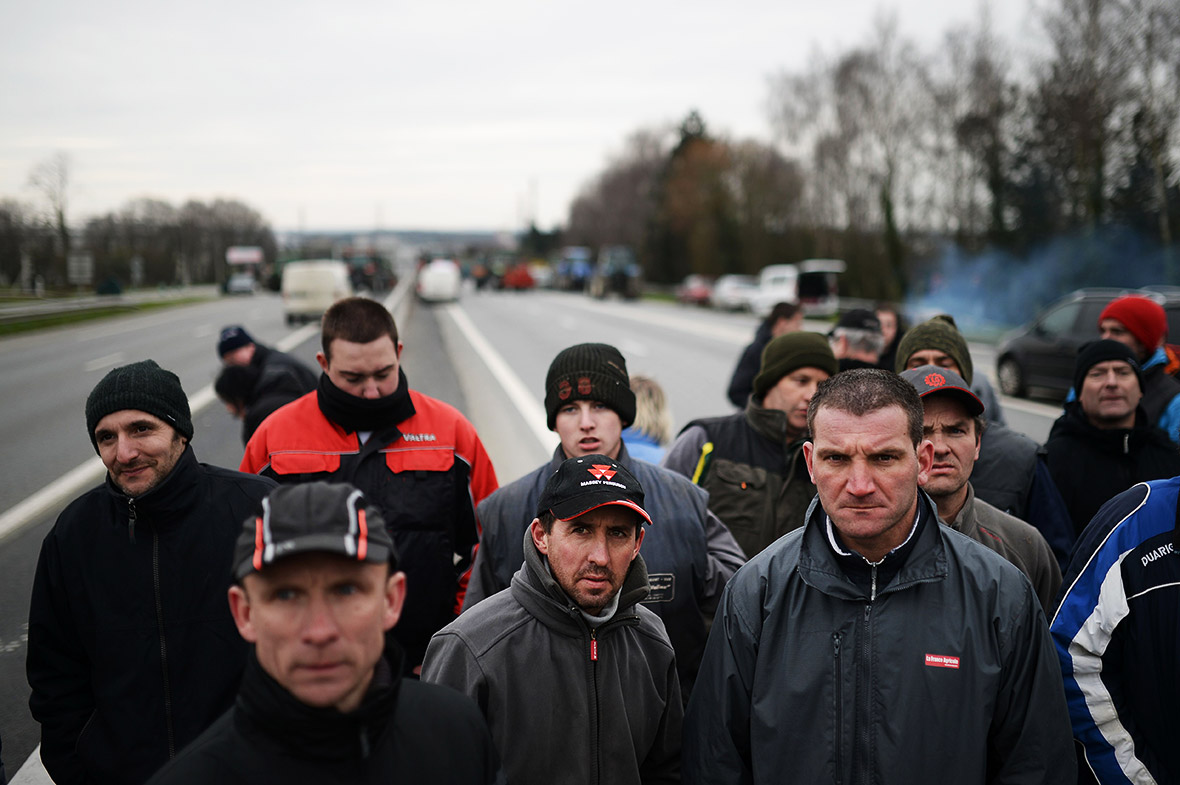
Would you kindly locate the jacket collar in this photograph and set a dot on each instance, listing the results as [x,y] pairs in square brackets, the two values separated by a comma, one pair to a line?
[820,567]
[538,592]
[1113,440]
[178,491]
[559,457]
[967,522]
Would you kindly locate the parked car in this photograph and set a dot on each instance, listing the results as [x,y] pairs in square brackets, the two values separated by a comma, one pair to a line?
[733,292]
[241,283]
[1041,353]
[439,281]
[695,290]
[518,278]
[810,283]
[310,287]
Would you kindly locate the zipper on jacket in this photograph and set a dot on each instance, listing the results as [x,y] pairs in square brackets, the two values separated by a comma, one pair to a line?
[838,692]
[163,644]
[1127,443]
[593,644]
[864,688]
[131,520]
[594,741]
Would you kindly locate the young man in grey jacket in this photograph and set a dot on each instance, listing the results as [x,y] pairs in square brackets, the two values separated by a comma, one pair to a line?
[577,680]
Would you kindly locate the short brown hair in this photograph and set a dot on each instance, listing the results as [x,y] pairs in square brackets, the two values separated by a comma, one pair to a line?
[356,320]
[864,390]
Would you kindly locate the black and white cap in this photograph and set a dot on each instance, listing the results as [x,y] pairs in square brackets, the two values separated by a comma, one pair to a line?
[929,379]
[315,516]
[583,484]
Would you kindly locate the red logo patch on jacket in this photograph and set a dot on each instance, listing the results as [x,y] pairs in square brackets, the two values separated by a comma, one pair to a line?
[942,661]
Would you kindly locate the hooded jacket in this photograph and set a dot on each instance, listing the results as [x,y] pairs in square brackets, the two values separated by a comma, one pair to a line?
[403,731]
[132,649]
[757,480]
[942,673]
[425,468]
[689,553]
[1092,465]
[567,704]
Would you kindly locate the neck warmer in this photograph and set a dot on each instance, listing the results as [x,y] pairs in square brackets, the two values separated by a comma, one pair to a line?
[325,733]
[364,414]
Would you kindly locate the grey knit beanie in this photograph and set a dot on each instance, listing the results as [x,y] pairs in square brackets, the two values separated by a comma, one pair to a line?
[790,351]
[940,333]
[589,372]
[144,386]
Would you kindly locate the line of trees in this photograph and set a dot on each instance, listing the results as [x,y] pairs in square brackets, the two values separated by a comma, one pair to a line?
[147,241]
[885,153]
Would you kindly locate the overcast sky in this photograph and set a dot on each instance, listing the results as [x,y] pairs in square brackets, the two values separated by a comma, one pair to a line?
[439,115]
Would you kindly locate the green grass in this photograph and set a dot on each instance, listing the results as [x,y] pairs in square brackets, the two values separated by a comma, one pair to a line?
[33,323]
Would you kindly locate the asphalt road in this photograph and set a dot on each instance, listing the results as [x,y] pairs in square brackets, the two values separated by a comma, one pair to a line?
[486,355]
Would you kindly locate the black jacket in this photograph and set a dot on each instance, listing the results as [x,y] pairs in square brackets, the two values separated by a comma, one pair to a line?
[132,649]
[1092,465]
[273,362]
[403,731]
[741,384]
[935,666]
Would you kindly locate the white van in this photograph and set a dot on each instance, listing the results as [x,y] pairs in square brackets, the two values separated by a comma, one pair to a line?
[310,287]
[810,284]
[439,281]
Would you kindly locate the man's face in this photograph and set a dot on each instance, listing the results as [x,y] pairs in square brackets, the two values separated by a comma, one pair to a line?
[867,473]
[240,356]
[888,320]
[1114,330]
[1110,392]
[318,622]
[932,357]
[792,393]
[590,555]
[588,427]
[948,426]
[366,370]
[138,449]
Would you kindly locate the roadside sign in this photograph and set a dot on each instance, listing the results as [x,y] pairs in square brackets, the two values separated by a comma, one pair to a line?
[243,254]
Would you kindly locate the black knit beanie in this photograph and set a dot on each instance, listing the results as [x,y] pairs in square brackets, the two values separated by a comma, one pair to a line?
[1096,352]
[589,372]
[941,334]
[144,386]
[790,351]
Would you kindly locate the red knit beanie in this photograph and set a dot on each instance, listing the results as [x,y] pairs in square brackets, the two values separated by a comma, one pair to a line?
[1144,319]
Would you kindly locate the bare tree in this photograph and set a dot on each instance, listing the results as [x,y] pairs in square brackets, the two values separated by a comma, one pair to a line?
[51,178]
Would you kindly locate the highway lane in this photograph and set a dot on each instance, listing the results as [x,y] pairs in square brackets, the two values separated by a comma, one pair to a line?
[690,351]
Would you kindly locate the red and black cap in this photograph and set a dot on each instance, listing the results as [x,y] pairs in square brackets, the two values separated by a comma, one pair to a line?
[929,379]
[312,517]
[583,484]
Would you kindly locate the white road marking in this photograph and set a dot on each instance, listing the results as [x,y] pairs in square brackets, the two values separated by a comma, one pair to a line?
[104,362]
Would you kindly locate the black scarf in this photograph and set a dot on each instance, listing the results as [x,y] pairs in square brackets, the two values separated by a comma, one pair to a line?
[324,733]
[365,414]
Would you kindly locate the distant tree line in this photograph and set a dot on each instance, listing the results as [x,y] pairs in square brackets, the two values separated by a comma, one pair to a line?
[167,244]
[888,156]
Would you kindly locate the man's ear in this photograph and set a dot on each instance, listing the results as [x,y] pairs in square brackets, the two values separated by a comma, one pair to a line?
[322,360]
[399,350]
[638,541]
[540,538]
[808,454]
[395,598]
[925,460]
[239,608]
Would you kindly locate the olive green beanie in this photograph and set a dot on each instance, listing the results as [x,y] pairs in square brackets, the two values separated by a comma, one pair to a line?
[790,351]
[940,334]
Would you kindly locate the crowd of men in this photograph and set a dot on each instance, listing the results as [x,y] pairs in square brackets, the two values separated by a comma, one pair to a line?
[857,577]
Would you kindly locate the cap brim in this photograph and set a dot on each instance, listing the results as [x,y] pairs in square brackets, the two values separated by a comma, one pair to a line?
[375,553]
[972,402]
[587,502]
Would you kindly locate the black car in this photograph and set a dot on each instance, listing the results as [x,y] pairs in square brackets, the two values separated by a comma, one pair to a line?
[1041,353]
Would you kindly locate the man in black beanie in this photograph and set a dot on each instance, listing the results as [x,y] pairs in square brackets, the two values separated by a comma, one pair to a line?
[690,554]
[132,652]
[751,462]
[1103,443]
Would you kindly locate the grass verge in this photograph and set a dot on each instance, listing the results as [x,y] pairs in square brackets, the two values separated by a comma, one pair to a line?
[37,322]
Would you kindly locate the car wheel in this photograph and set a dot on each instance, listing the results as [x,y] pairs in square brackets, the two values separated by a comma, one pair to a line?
[1011,377]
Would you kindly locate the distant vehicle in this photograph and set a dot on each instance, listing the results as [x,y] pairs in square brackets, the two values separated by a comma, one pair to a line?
[616,272]
[310,287]
[1041,353]
[241,283]
[810,284]
[573,270]
[733,292]
[695,290]
[518,278]
[439,281]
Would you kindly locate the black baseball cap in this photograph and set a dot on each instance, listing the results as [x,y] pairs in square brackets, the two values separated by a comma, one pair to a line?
[860,319]
[929,379]
[315,516]
[583,484]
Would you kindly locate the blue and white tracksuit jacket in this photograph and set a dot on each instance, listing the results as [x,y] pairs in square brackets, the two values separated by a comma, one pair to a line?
[1117,633]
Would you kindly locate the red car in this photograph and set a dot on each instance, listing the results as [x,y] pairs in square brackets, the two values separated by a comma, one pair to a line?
[695,290]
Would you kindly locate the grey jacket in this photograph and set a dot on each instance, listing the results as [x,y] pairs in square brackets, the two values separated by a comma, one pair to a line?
[689,553]
[1015,540]
[567,703]
[947,674]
